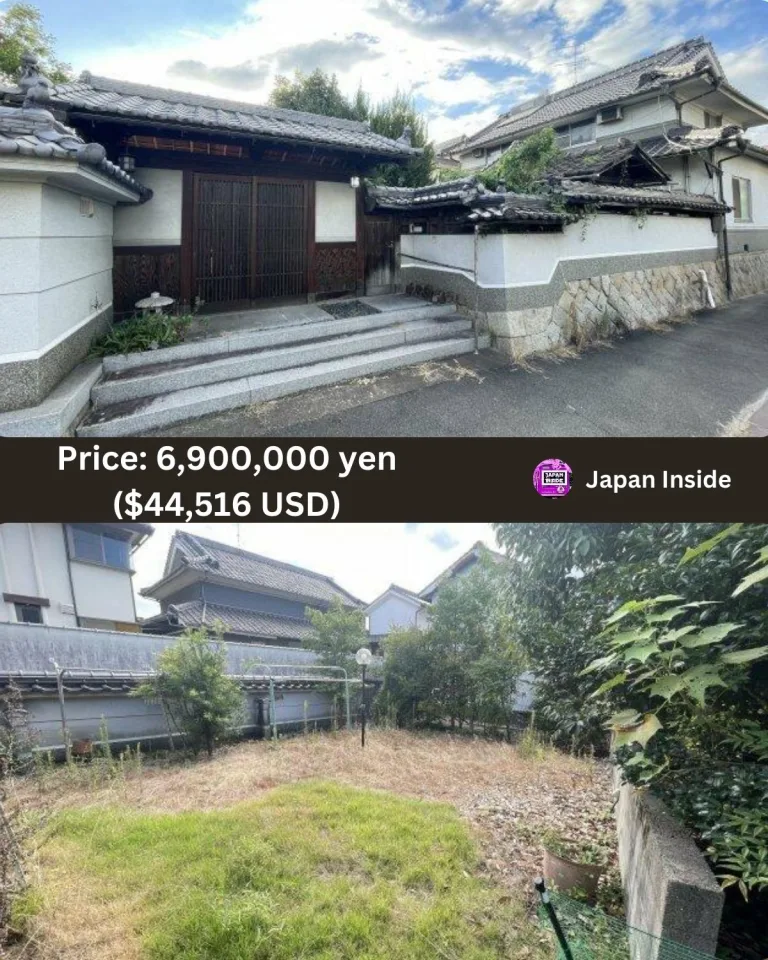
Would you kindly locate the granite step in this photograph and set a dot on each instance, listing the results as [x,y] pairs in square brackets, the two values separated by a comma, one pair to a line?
[133,417]
[283,333]
[163,378]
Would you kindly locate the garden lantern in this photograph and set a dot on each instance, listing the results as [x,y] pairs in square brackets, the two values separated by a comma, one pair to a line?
[363,657]
[154,302]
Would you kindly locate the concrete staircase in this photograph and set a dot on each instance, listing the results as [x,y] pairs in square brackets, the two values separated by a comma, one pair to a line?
[141,392]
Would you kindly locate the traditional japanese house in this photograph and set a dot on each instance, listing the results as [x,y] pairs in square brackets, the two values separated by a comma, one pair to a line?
[250,204]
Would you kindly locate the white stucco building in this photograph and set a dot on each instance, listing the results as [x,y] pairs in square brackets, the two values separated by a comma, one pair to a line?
[69,574]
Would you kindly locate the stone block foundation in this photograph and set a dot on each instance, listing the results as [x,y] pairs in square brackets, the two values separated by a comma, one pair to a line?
[574,311]
[597,308]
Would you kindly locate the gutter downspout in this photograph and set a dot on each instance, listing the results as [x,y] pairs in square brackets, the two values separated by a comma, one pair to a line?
[718,166]
[477,291]
[69,573]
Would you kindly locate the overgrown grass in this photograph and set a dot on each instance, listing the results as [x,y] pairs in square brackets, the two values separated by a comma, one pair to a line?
[312,870]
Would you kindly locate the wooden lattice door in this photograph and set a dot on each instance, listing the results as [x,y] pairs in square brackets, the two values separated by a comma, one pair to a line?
[280,238]
[222,251]
[381,238]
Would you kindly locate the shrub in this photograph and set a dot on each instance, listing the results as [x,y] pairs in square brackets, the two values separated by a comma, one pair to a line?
[198,697]
[149,331]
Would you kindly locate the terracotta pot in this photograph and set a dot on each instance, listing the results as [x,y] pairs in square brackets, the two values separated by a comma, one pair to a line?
[567,875]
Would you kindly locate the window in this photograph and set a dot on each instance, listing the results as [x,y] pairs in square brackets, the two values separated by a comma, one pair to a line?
[95,546]
[582,132]
[742,198]
[29,613]
[712,119]
[575,133]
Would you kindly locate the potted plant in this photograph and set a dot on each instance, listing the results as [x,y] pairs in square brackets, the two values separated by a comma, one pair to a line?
[573,866]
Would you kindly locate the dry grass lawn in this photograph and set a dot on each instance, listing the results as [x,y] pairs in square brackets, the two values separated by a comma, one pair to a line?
[506,797]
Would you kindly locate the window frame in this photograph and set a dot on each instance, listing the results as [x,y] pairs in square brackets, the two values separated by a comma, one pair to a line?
[745,197]
[565,133]
[72,529]
[18,607]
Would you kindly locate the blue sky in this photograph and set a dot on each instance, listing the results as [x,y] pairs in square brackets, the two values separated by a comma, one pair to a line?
[465,60]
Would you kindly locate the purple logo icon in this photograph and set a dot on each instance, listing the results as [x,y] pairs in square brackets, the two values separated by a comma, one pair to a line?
[552,478]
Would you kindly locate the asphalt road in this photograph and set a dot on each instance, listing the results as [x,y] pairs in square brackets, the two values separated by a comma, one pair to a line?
[692,380]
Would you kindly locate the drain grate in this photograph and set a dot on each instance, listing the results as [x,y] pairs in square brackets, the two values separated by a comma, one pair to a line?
[347,309]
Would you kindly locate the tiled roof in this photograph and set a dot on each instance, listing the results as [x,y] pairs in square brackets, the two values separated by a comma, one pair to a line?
[468,192]
[594,161]
[254,569]
[642,76]
[514,208]
[655,198]
[120,98]
[684,140]
[475,552]
[483,206]
[34,132]
[436,194]
[245,623]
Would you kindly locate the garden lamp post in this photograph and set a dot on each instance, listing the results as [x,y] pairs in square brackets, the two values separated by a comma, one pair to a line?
[363,657]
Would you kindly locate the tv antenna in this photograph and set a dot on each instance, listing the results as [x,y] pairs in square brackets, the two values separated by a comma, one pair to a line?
[575,59]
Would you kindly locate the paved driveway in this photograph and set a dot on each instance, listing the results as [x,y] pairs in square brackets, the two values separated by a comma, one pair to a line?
[691,381]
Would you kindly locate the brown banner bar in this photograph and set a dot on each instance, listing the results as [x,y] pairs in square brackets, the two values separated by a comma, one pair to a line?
[384,479]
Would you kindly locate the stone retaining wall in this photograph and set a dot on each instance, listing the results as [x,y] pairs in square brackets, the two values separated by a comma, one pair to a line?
[670,891]
[599,307]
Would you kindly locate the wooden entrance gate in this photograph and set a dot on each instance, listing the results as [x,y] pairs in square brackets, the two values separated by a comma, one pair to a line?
[250,238]
[381,241]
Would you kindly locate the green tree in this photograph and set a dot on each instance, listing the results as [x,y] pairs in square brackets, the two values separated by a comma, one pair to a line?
[522,167]
[191,683]
[338,633]
[319,92]
[390,118]
[316,92]
[410,673]
[21,31]
[567,579]
[464,668]
[688,676]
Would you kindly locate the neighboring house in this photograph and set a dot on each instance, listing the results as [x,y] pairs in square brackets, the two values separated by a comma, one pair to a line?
[656,208]
[678,106]
[69,574]
[398,608]
[255,599]
[395,608]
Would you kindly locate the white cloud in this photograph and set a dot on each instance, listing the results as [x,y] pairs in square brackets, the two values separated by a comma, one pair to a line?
[747,69]
[363,558]
[381,44]
[577,13]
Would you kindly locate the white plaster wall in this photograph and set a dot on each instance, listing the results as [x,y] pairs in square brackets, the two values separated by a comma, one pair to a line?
[33,563]
[693,113]
[103,593]
[20,226]
[335,212]
[757,172]
[392,611]
[452,252]
[57,267]
[510,260]
[156,222]
[639,116]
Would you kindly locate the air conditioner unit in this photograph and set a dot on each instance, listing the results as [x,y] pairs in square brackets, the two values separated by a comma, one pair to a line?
[610,115]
